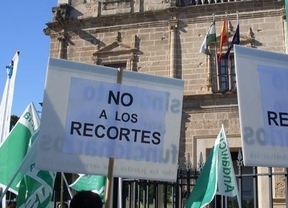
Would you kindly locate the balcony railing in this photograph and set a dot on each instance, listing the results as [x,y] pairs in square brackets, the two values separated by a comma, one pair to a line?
[224,83]
[181,3]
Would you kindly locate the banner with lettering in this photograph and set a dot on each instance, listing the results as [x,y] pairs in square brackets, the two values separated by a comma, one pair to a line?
[274,81]
[126,122]
[88,117]
[263,106]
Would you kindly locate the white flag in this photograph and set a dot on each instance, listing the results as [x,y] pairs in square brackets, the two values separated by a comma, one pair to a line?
[210,37]
[7,97]
[227,185]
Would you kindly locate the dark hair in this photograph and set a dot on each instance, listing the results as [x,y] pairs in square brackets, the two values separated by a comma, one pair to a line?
[64,205]
[86,199]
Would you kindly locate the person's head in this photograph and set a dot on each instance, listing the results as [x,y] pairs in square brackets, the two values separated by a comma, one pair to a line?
[64,205]
[86,199]
[11,205]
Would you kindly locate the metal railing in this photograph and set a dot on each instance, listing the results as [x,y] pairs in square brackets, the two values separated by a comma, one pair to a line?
[224,83]
[181,3]
[157,194]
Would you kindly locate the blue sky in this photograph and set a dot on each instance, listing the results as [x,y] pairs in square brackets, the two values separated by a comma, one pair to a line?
[22,27]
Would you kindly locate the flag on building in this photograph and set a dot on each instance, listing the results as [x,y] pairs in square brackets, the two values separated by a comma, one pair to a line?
[7,98]
[36,188]
[223,38]
[209,38]
[93,183]
[14,148]
[217,176]
[235,40]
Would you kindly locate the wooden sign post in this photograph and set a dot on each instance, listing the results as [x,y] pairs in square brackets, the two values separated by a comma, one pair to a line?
[109,181]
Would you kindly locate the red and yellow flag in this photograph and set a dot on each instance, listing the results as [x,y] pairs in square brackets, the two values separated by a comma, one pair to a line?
[223,38]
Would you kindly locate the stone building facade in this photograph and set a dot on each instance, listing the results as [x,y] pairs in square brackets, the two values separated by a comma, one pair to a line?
[163,37]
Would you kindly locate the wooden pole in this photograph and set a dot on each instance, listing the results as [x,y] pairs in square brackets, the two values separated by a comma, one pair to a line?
[109,181]
[61,191]
[60,56]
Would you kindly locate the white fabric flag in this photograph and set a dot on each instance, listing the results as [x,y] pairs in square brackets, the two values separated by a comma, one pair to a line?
[7,98]
[227,185]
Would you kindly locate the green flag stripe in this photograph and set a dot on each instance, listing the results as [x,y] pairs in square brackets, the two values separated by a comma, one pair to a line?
[11,156]
[211,38]
[15,146]
[90,183]
[205,188]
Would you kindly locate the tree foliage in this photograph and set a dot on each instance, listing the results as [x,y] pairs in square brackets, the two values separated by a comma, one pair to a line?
[13,121]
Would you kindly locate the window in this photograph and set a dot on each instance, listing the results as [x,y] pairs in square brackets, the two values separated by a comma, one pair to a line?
[116,65]
[182,3]
[225,77]
[113,1]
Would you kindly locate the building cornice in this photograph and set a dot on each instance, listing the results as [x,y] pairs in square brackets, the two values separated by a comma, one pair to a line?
[210,102]
[195,14]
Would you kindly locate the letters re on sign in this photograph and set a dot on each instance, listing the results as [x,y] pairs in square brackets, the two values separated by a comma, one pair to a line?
[262,82]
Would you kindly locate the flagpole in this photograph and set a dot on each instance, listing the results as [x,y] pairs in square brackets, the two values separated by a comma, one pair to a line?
[4,130]
[7,99]
[60,56]
[239,200]
[227,22]
[67,185]
[120,192]
[237,16]
[232,170]
[228,59]
[6,104]
[216,61]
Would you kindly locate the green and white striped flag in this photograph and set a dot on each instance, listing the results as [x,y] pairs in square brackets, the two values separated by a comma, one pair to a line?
[209,38]
[94,183]
[36,188]
[217,176]
[14,148]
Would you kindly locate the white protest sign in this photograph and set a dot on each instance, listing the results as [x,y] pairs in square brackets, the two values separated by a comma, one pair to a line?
[262,81]
[126,122]
[87,117]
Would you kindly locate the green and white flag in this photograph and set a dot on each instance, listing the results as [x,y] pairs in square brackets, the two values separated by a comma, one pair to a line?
[227,185]
[7,97]
[94,183]
[217,176]
[209,38]
[14,148]
[36,188]
[206,185]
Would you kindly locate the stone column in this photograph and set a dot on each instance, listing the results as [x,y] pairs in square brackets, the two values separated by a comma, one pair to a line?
[173,24]
[62,52]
